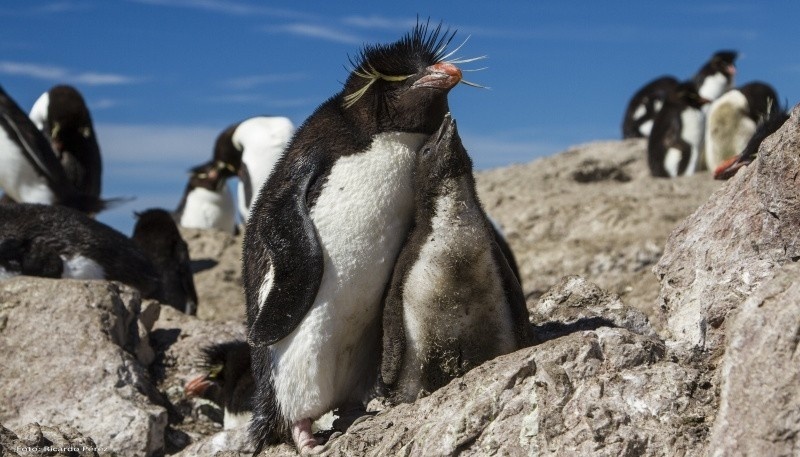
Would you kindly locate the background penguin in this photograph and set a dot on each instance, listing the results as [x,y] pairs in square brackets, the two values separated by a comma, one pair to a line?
[645,105]
[673,148]
[732,119]
[86,249]
[715,77]
[29,170]
[776,118]
[207,202]
[228,381]
[62,115]
[454,302]
[260,142]
[323,235]
[158,237]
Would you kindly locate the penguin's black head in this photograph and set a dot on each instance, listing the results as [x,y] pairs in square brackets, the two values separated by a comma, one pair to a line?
[724,61]
[155,221]
[443,155]
[686,94]
[226,365]
[67,116]
[402,86]
[210,175]
[227,155]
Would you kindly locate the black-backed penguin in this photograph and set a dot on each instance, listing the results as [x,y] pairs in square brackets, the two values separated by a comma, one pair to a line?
[54,241]
[158,237]
[29,169]
[775,119]
[645,105]
[325,230]
[207,202]
[732,120]
[716,76]
[62,115]
[674,146]
[228,381]
[453,302]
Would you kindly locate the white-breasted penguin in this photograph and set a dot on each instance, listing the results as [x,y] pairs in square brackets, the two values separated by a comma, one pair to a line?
[62,115]
[29,169]
[59,242]
[158,237]
[207,202]
[674,146]
[716,76]
[454,301]
[645,105]
[775,119]
[732,120]
[325,230]
[228,381]
[253,146]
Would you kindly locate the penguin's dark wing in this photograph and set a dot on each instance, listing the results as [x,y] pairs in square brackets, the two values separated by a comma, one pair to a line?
[515,298]
[32,142]
[184,267]
[244,178]
[394,334]
[666,134]
[507,252]
[283,260]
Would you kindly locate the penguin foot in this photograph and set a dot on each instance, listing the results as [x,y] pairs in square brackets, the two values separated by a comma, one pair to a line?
[304,439]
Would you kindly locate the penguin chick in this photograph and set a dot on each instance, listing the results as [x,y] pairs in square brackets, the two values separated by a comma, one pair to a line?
[86,248]
[673,148]
[228,381]
[454,302]
[325,231]
[207,202]
[767,127]
[62,115]
[158,237]
[732,120]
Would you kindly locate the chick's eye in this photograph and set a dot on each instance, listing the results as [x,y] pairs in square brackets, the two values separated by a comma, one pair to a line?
[426,151]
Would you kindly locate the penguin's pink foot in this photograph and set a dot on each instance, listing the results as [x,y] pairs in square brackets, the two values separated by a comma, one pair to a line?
[304,440]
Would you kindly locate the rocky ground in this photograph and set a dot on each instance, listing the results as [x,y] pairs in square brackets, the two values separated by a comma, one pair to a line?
[666,314]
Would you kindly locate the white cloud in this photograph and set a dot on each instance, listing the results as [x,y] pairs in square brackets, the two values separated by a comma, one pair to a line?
[379,22]
[224,6]
[60,74]
[316,31]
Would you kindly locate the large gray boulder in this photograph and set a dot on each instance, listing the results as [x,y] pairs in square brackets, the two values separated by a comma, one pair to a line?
[34,439]
[70,358]
[717,256]
[759,411]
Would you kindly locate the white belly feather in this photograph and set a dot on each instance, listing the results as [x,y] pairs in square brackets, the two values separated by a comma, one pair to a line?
[362,216]
[693,130]
[18,178]
[206,209]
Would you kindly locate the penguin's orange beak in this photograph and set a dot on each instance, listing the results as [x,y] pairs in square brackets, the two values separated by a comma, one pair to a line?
[442,75]
[197,386]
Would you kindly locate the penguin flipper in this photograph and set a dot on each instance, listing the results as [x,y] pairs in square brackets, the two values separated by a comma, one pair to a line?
[33,145]
[515,299]
[394,334]
[283,257]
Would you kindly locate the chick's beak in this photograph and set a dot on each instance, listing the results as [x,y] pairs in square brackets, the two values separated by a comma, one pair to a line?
[197,386]
[442,75]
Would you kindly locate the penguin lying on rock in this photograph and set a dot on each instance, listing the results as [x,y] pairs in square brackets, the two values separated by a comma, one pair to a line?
[454,301]
[58,242]
[323,235]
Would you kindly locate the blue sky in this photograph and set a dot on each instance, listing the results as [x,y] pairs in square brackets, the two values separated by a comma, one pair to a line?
[163,77]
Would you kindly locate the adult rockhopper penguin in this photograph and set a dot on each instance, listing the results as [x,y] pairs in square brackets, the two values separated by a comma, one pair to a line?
[325,230]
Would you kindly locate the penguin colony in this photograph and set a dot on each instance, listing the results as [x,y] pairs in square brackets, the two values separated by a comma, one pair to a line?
[369,265]
[702,123]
